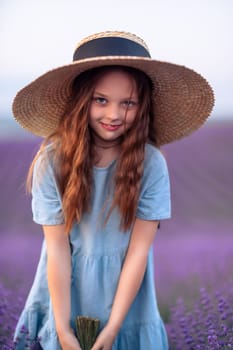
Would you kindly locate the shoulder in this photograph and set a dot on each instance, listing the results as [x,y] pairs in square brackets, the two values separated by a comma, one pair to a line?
[44,162]
[45,157]
[155,166]
[154,159]
[154,198]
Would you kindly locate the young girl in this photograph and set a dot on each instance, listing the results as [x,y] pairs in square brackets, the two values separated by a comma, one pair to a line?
[100,187]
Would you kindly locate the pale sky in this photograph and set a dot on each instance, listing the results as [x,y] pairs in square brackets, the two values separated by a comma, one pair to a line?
[39,35]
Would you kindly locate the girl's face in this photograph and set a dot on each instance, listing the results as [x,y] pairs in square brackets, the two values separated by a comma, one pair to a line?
[114,105]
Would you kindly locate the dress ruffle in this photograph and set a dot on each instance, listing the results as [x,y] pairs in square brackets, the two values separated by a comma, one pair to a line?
[32,328]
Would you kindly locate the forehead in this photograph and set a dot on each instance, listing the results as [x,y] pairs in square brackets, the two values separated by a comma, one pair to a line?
[116,79]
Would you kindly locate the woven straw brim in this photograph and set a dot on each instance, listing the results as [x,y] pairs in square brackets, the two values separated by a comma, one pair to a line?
[183,99]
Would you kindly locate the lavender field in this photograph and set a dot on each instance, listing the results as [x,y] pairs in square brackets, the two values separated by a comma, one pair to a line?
[193,250]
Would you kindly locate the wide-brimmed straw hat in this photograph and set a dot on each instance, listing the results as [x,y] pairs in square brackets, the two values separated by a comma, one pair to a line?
[183,99]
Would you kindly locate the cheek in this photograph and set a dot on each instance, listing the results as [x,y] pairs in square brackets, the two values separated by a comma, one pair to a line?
[93,115]
[130,118]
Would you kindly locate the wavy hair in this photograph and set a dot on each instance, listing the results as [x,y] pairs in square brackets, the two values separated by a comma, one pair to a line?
[73,153]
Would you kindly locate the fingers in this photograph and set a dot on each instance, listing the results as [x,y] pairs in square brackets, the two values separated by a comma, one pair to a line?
[101,347]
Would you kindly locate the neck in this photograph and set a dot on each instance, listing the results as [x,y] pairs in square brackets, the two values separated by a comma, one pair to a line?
[105,144]
[105,151]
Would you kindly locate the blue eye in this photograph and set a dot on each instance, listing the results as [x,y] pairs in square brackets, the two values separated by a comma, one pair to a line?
[129,103]
[100,100]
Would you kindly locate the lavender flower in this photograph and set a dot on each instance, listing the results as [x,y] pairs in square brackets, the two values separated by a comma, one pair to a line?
[205,328]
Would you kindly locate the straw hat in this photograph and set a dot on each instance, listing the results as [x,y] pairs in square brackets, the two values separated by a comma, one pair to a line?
[183,99]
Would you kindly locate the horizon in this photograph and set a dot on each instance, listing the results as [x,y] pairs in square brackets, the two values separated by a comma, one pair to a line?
[10,130]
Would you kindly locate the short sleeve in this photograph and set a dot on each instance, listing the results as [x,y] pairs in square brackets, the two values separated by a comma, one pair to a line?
[46,201]
[155,199]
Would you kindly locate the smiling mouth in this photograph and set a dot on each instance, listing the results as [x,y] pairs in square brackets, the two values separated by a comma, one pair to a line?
[110,126]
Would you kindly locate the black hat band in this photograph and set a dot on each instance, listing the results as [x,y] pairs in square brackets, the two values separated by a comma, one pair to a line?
[109,46]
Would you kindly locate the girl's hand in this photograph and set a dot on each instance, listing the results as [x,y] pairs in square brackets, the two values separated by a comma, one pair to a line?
[105,339]
[68,341]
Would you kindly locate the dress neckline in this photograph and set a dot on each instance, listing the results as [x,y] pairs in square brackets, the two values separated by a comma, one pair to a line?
[96,168]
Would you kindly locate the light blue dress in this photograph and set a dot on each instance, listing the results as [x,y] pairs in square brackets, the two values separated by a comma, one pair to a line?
[98,254]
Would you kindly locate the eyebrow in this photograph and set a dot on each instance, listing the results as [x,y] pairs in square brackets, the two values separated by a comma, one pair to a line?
[99,93]
[131,97]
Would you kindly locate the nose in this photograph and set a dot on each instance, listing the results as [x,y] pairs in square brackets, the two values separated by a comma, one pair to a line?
[113,112]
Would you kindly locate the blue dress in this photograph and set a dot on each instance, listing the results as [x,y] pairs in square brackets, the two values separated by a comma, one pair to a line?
[98,254]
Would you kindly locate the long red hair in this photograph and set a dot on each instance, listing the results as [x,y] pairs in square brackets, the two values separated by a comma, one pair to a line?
[72,150]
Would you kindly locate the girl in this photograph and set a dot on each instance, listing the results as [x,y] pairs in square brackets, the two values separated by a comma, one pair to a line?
[100,187]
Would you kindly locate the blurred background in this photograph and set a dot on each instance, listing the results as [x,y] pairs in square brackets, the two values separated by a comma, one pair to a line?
[194,249]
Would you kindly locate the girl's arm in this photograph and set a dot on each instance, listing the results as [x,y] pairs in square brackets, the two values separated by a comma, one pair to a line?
[130,280]
[59,283]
